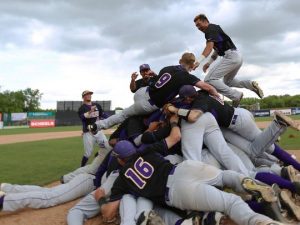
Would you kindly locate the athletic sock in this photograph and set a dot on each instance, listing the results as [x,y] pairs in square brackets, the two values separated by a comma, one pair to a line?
[255,206]
[270,179]
[84,161]
[285,157]
[1,202]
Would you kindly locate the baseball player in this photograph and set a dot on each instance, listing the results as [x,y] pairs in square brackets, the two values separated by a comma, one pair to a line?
[89,113]
[148,77]
[239,121]
[148,175]
[228,65]
[166,87]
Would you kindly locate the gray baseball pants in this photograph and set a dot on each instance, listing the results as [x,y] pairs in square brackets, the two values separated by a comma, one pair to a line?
[227,67]
[91,168]
[30,196]
[141,106]
[88,207]
[195,182]
[206,130]
[89,141]
[258,141]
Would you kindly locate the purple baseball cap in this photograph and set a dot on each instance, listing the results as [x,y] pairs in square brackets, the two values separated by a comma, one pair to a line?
[124,149]
[187,91]
[144,67]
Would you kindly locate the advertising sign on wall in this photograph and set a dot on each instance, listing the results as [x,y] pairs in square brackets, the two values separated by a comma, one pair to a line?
[284,111]
[42,123]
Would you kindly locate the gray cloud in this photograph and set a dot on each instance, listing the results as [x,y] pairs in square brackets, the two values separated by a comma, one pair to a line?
[157,28]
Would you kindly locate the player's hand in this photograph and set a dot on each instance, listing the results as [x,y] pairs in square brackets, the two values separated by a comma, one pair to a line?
[99,193]
[174,118]
[214,92]
[205,67]
[196,64]
[169,109]
[134,76]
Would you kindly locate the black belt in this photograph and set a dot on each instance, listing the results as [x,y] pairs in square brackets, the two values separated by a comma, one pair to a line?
[234,118]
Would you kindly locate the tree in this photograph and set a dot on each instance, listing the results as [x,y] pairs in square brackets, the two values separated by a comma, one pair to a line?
[32,99]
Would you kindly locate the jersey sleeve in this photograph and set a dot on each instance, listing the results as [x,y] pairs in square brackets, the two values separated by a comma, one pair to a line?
[99,109]
[157,135]
[81,112]
[212,33]
[160,147]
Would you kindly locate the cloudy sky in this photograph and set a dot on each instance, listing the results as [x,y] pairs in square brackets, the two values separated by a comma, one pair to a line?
[63,47]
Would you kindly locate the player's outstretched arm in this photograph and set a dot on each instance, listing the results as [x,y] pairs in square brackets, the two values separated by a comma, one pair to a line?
[207,87]
[189,115]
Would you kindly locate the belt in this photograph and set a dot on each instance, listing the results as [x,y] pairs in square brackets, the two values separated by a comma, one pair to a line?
[167,188]
[233,121]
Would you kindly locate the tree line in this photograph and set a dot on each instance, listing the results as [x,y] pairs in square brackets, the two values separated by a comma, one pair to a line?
[274,101]
[28,100]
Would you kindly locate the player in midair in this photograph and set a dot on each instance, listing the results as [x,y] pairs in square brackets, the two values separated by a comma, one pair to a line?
[89,112]
[228,65]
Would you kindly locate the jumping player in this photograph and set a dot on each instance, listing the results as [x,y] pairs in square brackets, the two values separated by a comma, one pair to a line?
[229,64]
[89,112]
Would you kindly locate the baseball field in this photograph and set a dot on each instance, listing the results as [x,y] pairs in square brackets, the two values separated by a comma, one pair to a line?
[41,156]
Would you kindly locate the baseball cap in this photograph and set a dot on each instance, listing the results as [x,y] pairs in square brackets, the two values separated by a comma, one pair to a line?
[144,67]
[187,91]
[124,149]
[86,92]
[188,58]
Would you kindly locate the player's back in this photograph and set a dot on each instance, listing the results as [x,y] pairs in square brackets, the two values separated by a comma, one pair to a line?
[168,83]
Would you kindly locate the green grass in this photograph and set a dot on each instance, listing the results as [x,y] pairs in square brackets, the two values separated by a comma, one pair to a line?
[38,130]
[39,162]
[290,140]
[295,117]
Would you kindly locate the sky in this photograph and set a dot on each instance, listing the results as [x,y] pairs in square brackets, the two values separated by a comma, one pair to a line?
[63,47]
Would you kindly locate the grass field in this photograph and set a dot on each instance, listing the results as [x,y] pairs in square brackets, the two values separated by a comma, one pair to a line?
[295,117]
[38,130]
[39,162]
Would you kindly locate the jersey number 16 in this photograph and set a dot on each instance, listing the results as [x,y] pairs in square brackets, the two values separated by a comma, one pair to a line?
[141,172]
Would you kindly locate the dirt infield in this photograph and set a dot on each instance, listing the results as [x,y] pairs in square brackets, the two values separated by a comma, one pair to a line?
[17,138]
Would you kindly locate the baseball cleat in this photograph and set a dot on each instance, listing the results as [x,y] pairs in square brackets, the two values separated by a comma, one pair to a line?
[149,218]
[290,173]
[216,218]
[289,203]
[236,103]
[285,120]
[193,218]
[264,191]
[257,89]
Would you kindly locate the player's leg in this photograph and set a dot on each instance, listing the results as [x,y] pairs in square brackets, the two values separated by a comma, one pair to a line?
[127,209]
[87,208]
[192,138]
[15,188]
[141,107]
[102,141]
[90,168]
[143,205]
[88,145]
[217,145]
[208,158]
[77,187]
[216,74]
